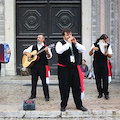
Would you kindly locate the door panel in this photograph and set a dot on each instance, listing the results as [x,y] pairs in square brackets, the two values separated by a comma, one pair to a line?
[64,16]
[31,19]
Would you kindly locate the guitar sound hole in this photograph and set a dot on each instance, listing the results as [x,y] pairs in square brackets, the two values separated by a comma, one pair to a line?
[29,59]
[32,56]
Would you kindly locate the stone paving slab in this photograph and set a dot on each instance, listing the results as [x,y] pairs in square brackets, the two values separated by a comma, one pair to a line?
[14,90]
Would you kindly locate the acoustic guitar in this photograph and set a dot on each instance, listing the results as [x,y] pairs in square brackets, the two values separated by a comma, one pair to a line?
[29,61]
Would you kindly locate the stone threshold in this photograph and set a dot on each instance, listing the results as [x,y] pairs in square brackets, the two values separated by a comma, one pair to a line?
[59,114]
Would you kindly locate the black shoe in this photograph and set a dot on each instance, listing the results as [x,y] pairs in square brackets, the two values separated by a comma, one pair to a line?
[63,109]
[46,98]
[100,96]
[32,97]
[107,97]
[82,108]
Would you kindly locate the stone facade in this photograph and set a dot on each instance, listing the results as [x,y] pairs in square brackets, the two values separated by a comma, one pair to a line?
[111,15]
[98,17]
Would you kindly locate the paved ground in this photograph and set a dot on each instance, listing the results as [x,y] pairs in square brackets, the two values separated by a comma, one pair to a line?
[15,89]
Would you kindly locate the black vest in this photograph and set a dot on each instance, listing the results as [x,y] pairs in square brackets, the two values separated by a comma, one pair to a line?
[42,59]
[98,55]
[64,58]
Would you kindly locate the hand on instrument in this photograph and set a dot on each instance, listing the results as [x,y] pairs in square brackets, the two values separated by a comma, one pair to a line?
[46,49]
[47,52]
[106,54]
[9,51]
[70,40]
[96,48]
[29,55]
[74,41]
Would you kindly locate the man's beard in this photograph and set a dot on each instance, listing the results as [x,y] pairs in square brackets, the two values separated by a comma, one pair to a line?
[38,42]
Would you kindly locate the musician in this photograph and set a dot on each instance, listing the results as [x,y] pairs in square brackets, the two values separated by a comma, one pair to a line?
[39,67]
[68,54]
[8,52]
[100,64]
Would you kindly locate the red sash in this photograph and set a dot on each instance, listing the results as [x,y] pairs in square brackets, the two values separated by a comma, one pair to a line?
[80,77]
[47,73]
[109,71]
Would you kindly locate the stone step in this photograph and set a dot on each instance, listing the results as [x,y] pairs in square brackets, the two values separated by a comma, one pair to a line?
[59,114]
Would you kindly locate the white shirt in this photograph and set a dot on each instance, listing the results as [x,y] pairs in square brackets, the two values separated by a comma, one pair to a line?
[60,48]
[109,48]
[29,50]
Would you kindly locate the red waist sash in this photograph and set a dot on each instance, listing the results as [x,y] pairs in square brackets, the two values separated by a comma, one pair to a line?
[80,75]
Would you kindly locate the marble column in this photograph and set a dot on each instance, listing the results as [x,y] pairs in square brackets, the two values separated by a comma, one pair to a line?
[10,34]
[2,31]
[112,30]
[119,44]
[86,29]
[102,17]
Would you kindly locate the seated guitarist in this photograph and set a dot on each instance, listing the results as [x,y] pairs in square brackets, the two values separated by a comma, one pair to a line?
[39,67]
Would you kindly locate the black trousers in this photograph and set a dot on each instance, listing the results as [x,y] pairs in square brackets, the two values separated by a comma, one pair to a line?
[36,71]
[101,76]
[69,77]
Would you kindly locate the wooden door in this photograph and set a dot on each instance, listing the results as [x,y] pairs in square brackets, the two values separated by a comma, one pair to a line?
[46,17]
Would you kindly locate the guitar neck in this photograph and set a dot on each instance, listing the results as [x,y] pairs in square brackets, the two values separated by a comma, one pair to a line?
[40,51]
[50,46]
